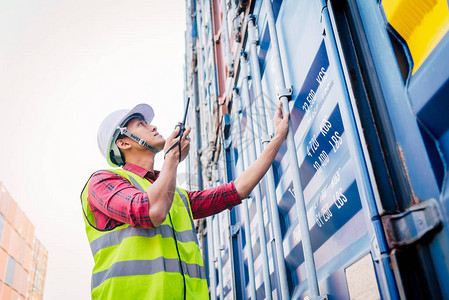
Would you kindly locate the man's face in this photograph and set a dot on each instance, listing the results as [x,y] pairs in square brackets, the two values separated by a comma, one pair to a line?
[147,132]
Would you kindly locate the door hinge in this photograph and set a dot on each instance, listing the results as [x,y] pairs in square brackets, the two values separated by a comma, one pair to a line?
[412,225]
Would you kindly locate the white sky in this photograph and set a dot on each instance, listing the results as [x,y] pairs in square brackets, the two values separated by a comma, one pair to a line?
[64,65]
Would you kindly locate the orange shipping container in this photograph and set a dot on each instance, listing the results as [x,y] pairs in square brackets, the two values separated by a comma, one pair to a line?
[4,199]
[4,203]
[3,262]
[28,232]
[22,250]
[11,213]
[17,241]
[6,236]
[20,279]
[14,245]
[15,295]
[6,292]
[18,222]
[28,258]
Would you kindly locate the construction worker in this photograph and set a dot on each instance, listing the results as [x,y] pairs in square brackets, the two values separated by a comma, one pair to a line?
[139,224]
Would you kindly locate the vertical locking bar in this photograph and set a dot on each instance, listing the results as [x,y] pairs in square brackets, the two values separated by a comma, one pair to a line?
[299,196]
[257,191]
[210,249]
[237,103]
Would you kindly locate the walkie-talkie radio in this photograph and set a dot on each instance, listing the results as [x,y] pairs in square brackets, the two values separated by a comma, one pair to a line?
[182,124]
[182,128]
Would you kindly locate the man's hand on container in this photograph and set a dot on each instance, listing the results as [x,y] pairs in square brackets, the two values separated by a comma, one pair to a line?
[280,123]
[246,182]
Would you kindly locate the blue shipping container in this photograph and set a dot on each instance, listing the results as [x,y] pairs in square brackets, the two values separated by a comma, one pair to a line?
[356,203]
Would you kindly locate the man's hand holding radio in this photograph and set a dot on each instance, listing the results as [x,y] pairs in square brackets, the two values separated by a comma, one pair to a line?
[173,151]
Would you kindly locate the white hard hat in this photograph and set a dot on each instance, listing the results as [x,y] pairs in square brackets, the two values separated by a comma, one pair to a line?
[109,131]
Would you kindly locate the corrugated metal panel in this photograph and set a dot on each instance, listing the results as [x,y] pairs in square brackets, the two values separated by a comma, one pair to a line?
[22,252]
[11,211]
[20,280]
[4,199]
[27,261]
[5,203]
[19,221]
[15,246]
[6,236]
[3,262]
[28,231]
[36,278]
[6,292]
[363,159]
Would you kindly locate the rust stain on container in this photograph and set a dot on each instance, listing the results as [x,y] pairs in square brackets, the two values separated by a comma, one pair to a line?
[415,199]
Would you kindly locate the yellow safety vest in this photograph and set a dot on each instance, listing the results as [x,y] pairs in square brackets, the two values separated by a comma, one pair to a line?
[138,263]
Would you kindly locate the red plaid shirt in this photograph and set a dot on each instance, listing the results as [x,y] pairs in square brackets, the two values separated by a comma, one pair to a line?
[114,200]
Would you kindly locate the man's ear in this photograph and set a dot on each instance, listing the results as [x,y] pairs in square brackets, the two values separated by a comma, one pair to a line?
[123,144]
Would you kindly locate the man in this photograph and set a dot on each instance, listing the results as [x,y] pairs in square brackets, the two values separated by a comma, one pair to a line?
[139,224]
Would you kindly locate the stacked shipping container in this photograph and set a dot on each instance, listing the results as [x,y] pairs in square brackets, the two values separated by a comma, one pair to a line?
[36,277]
[23,260]
[356,203]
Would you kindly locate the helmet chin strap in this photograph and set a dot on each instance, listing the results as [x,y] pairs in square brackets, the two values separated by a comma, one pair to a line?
[142,142]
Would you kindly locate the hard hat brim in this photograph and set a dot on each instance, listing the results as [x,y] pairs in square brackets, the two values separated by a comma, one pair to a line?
[144,109]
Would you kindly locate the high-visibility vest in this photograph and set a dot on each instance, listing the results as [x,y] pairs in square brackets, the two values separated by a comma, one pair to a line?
[139,263]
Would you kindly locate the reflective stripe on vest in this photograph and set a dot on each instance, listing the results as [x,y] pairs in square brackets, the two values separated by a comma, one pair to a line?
[124,268]
[147,267]
[113,238]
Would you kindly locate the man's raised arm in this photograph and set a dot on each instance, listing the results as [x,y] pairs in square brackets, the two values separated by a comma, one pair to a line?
[246,182]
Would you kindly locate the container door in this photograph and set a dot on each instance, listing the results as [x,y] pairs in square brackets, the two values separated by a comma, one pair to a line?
[396,53]
[346,233]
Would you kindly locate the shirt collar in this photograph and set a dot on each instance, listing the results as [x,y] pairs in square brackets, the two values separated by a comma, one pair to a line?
[141,171]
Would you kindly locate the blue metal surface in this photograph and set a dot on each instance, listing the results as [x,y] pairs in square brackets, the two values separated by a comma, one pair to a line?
[330,159]
[344,208]
[424,93]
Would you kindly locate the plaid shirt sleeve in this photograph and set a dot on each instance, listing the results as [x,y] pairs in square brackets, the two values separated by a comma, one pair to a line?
[214,200]
[114,201]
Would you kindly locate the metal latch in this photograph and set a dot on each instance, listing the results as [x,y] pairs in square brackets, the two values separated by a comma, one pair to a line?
[266,138]
[234,229]
[286,92]
[413,224]
[319,297]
